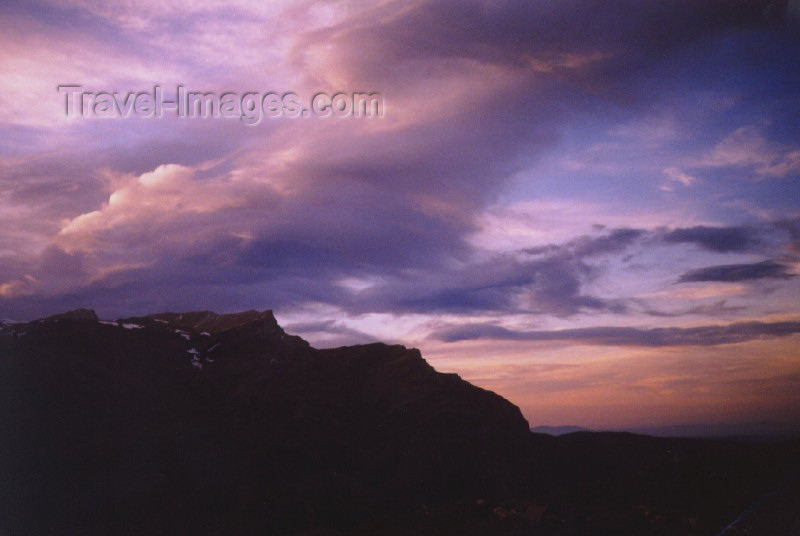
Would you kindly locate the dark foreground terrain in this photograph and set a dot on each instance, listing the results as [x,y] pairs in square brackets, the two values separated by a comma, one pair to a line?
[202,424]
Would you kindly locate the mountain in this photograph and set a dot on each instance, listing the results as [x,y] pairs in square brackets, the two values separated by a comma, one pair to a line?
[558,430]
[204,424]
[754,431]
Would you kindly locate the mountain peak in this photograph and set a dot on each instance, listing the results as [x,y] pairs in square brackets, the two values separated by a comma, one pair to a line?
[216,323]
[75,314]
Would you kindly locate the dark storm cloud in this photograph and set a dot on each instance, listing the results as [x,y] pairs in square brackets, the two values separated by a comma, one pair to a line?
[461,162]
[614,241]
[330,233]
[738,272]
[718,239]
[718,309]
[551,282]
[289,271]
[634,33]
[628,336]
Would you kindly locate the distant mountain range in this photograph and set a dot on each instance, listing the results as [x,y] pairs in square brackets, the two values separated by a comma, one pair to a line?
[207,424]
[761,430]
[558,430]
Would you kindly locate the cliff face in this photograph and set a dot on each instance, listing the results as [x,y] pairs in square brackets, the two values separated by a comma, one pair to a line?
[208,421]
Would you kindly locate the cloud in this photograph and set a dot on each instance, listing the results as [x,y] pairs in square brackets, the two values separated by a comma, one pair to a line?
[738,272]
[676,176]
[749,147]
[718,309]
[551,38]
[329,334]
[792,228]
[541,280]
[717,239]
[283,212]
[614,241]
[711,335]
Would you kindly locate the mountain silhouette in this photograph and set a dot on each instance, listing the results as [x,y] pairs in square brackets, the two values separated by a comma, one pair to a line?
[201,423]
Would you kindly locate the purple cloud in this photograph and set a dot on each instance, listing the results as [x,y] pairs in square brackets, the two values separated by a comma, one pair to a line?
[738,272]
[627,336]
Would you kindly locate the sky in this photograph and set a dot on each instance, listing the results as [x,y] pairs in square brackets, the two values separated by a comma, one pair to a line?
[591,208]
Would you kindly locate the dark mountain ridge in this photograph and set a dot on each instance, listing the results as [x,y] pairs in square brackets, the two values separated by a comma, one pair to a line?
[200,423]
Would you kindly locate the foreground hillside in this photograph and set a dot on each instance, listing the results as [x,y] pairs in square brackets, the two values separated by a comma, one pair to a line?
[199,423]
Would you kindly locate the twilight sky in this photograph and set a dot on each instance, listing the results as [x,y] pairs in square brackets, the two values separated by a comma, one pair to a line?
[592,208]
